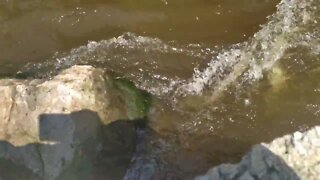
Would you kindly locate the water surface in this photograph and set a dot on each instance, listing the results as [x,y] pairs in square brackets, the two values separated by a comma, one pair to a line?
[223,75]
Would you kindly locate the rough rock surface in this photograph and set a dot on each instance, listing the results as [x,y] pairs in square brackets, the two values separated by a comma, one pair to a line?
[44,122]
[294,156]
[147,162]
[75,89]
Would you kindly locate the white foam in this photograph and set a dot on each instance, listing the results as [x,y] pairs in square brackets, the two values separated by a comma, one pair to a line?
[246,61]
[250,59]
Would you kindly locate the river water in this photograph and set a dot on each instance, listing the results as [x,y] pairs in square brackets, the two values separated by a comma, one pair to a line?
[224,74]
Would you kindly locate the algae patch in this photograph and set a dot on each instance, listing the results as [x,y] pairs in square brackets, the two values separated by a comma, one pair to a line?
[137,101]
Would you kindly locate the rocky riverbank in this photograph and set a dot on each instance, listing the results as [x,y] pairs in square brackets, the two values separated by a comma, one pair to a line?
[87,124]
[293,156]
[80,117]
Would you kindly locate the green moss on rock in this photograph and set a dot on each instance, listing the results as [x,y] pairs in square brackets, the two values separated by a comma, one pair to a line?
[137,101]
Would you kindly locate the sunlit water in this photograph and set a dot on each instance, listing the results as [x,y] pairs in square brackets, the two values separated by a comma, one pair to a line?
[223,75]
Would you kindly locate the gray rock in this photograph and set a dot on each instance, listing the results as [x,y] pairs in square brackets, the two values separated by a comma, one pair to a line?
[247,176]
[228,169]
[147,163]
[293,156]
[212,174]
[300,151]
[258,166]
[44,123]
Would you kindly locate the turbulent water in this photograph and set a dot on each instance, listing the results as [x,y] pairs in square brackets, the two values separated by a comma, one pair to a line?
[219,96]
[294,25]
[283,31]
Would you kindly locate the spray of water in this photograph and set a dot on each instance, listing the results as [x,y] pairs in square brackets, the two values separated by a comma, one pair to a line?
[250,59]
[246,61]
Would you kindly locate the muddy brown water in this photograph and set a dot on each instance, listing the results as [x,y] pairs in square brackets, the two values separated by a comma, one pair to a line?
[33,30]
[185,34]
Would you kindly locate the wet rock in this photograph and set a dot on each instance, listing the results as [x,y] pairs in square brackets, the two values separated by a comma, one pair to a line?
[147,163]
[136,101]
[300,151]
[246,176]
[212,174]
[109,158]
[48,125]
[293,156]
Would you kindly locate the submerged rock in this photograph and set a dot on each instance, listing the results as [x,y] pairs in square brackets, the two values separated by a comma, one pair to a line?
[49,125]
[294,156]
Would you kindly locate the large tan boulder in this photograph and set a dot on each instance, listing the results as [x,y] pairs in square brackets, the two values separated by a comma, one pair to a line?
[23,102]
[44,123]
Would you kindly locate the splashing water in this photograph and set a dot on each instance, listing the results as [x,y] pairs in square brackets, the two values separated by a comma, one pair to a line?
[250,59]
[132,56]
[207,71]
[147,61]
[210,71]
[291,32]
[247,60]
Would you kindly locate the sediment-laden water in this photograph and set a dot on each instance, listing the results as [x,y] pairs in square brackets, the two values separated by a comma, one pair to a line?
[224,74]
